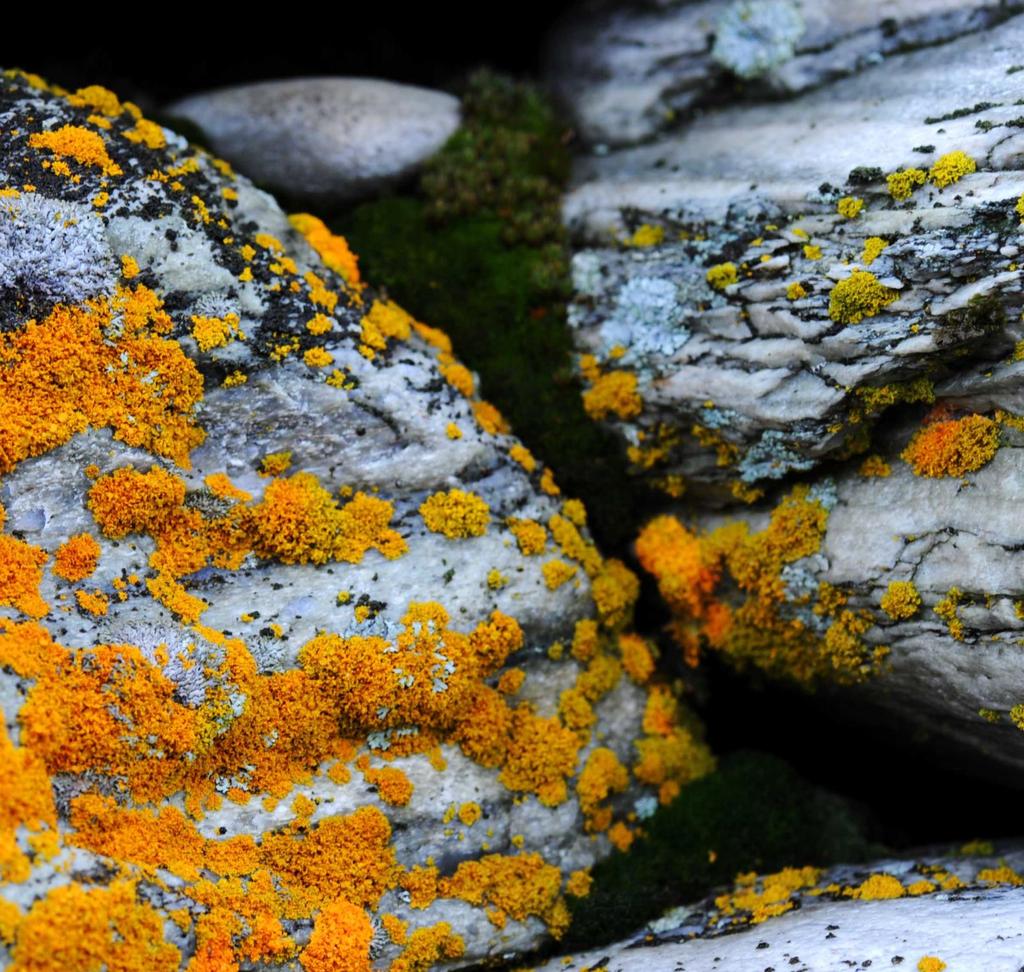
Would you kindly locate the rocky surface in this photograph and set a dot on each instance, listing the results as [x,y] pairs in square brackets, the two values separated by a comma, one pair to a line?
[628,71]
[925,915]
[323,140]
[772,292]
[303,656]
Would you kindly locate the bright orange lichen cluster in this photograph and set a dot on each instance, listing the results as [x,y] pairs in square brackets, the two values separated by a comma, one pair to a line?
[754,625]
[333,249]
[62,375]
[953,448]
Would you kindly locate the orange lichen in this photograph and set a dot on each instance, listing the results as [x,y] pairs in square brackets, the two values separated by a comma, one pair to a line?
[215,332]
[875,465]
[513,887]
[613,393]
[63,375]
[764,897]
[523,456]
[601,776]
[541,755]
[298,521]
[333,249]
[878,887]
[95,602]
[954,447]
[75,927]
[392,785]
[429,946]
[490,419]
[614,590]
[21,573]
[340,941]
[556,573]
[80,144]
[901,600]
[750,625]
[383,322]
[27,803]
[531,537]
[77,557]
[456,514]
[637,657]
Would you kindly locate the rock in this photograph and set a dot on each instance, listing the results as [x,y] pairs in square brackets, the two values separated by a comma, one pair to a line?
[323,140]
[896,914]
[302,654]
[625,72]
[773,292]
[907,588]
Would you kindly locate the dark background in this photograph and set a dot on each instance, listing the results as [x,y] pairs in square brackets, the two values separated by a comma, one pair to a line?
[430,44]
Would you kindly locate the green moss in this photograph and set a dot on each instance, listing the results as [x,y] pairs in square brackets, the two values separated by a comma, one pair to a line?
[479,251]
[754,813]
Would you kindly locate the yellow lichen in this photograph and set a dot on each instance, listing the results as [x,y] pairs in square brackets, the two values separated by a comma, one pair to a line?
[456,514]
[901,600]
[950,168]
[873,247]
[849,206]
[722,275]
[795,291]
[77,557]
[875,465]
[903,183]
[860,295]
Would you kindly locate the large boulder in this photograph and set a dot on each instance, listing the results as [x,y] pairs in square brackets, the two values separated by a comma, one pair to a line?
[925,915]
[303,656]
[324,141]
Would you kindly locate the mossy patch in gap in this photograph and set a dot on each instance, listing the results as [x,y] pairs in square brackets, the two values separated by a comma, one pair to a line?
[479,250]
[755,813]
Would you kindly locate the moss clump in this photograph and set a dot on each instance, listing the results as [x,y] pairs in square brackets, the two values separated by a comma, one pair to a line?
[479,249]
[754,813]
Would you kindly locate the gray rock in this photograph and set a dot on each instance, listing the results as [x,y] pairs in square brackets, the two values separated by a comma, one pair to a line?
[975,926]
[195,684]
[778,380]
[325,140]
[627,71]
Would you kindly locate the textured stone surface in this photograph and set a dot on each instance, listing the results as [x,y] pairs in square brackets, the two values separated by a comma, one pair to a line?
[626,71]
[743,379]
[259,691]
[893,915]
[326,140]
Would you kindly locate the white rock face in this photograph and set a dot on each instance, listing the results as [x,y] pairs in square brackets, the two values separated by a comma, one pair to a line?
[625,72]
[236,646]
[766,363]
[976,928]
[326,140]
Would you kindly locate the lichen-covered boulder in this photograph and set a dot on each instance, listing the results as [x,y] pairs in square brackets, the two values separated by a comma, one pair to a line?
[627,71]
[783,274]
[303,656]
[926,915]
[323,140]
